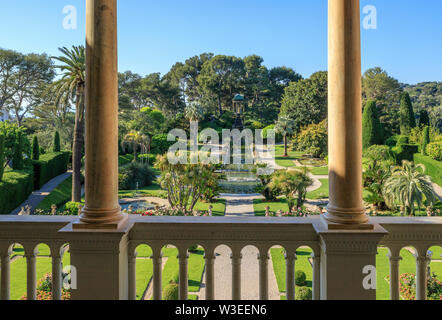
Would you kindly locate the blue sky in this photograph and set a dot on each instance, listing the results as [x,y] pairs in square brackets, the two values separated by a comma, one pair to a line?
[153,35]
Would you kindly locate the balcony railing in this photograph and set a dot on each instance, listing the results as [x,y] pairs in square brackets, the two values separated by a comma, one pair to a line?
[209,233]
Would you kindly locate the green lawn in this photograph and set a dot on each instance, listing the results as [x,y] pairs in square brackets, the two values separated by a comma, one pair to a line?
[319,171]
[286,161]
[219,207]
[321,193]
[259,206]
[59,196]
[153,190]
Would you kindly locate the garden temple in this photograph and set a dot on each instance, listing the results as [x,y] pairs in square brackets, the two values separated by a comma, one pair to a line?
[103,240]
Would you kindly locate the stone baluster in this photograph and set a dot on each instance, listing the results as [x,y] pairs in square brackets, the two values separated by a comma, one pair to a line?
[422,261]
[31,279]
[157,261]
[5,277]
[133,275]
[209,256]
[263,258]
[183,257]
[395,258]
[316,264]
[236,274]
[56,275]
[290,258]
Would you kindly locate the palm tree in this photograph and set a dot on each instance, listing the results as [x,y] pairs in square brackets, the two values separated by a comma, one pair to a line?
[137,140]
[72,87]
[285,126]
[194,112]
[407,186]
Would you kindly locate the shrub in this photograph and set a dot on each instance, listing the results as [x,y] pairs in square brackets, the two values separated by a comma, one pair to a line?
[313,139]
[434,150]
[425,140]
[392,141]
[378,153]
[49,166]
[433,167]
[159,144]
[35,149]
[15,188]
[406,114]
[2,155]
[71,208]
[300,278]
[402,140]
[193,248]
[405,152]
[303,293]
[171,291]
[56,144]
[135,173]
[278,136]
[371,126]
[17,160]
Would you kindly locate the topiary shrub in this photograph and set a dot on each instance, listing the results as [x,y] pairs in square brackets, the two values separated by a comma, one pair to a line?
[434,150]
[135,173]
[171,291]
[17,160]
[402,140]
[378,153]
[303,293]
[35,149]
[392,141]
[405,152]
[372,131]
[425,140]
[300,278]
[49,166]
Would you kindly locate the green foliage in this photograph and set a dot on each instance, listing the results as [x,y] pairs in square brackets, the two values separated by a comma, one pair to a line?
[433,167]
[160,145]
[2,155]
[35,149]
[71,208]
[305,101]
[171,291]
[434,150]
[313,140]
[278,136]
[407,119]
[392,141]
[15,188]
[300,278]
[303,293]
[135,173]
[404,152]
[17,160]
[425,140]
[378,153]
[402,140]
[372,132]
[49,166]
[424,118]
[56,143]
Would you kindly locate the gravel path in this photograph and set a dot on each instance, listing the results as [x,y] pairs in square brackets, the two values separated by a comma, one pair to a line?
[438,190]
[37,196]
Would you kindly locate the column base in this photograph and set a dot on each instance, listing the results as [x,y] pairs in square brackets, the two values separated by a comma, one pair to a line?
[105,225]
[329,225]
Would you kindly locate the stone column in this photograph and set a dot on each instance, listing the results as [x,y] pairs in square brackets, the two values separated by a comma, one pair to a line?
[133,275]
[5,277]
[31,275]
[209,257]
[290,259]
[236,274]
[316,261]
[395,259]
[183,257]
[56,276]
[422,261]
[157,261]
[263,258]
[101,209]
[345,209]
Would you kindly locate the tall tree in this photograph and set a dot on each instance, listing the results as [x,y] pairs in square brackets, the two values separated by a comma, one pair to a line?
[305,101]
[17,160]
[424,119]
[407,118]
[35,149]
[425,140]
[285,126]
[57,143]
[371,127]
[72,84]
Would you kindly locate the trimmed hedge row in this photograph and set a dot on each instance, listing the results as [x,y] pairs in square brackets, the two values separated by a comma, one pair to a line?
[15,187]
[49,166]
[434,167]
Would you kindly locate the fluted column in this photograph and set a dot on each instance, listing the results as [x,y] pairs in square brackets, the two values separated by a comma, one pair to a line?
[263,258]
[290,259]
[5,282]
[236,275]
[395,259]
[101,209]
[316,276]
[133,276]
[31,275]
[157,261]
[183,285]
[209,257]
[56,276]
[345,209]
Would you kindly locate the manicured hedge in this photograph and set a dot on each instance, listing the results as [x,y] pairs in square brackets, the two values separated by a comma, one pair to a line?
[15,188]
[405,152]
[434,168]
[49,166]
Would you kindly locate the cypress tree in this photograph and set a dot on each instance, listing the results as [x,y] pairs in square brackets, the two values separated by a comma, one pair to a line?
[424,119]
[372,132]
[425,140]
[407,119]
[35,149]
[2,155]
[17,160]
[57,147]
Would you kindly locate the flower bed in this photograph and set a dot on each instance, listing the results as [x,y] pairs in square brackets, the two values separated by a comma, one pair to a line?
[166,211]
[407,287]
[44,289]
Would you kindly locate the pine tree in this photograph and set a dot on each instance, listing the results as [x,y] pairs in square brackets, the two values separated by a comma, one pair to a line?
[424,119]
[371,126]
[57,147]
[407,118]
[2,155]
[35,149]
[17,160]
[425,140]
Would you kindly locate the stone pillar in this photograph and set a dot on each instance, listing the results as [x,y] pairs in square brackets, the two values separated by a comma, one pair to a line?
[56,276]
[157,261]
[422,261]
[345,209]
[183,257]
[290,259]
[316,262]
[236,274]
[5,277]
[209,257]
[133,275]
[101,209]
[31,278]
[395,259]
[263,258]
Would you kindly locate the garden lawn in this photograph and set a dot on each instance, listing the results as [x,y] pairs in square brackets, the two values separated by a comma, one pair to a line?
[287,162]
[260,205]
[321,193]
[319,171]
[219,207]
[59,196]
[153,190]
